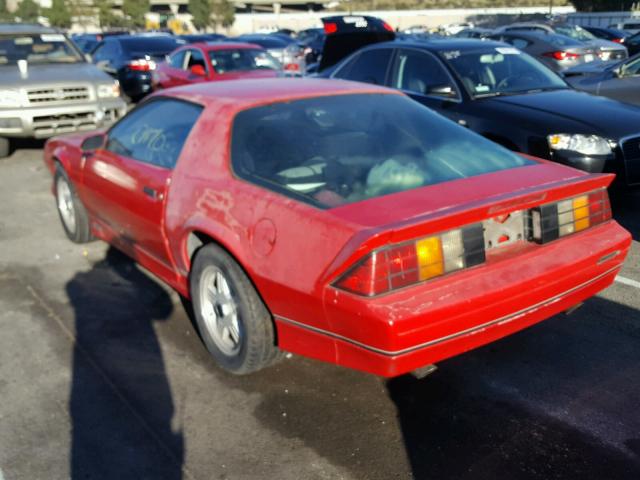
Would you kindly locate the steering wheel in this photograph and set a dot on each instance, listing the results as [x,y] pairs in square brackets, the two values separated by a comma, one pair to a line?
[507,81]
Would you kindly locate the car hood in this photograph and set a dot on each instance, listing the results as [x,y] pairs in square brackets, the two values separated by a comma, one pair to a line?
[569,109]
[248,74]
[48,74]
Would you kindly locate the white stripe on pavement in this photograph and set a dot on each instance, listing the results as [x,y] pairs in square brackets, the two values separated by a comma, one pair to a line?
[627,281]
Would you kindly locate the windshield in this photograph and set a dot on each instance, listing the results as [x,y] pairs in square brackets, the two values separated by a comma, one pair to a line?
[40,48]
[242,59]
[575,31]
[329,151]
[500,71]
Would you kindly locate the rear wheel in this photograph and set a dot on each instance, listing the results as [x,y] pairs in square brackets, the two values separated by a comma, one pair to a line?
[234,323]
[5,147]
[73,215]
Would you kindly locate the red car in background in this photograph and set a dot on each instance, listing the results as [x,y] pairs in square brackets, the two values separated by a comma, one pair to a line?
[336,220]
[206,62]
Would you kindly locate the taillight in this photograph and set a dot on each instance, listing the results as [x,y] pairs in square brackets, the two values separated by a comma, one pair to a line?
[560,55]
[292,67]
[618,40]
[554,220]
[409,263]
[387,27]
[330,28]
[142,65]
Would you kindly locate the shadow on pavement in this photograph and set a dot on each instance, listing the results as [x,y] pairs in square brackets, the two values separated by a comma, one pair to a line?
[552,402]
[558,400]
[118,370]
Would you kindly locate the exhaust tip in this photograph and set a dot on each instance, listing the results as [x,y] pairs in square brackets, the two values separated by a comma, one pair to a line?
[425,371]
[573,309]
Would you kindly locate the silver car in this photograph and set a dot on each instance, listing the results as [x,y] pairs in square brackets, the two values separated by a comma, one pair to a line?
[558,52]
[605,49]
[48,88]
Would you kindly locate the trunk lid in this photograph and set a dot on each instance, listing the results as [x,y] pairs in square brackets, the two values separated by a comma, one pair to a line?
[436,208]
[347,33]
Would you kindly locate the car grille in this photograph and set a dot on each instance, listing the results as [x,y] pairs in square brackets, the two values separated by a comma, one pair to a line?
[55,95]
[49,125]
[631,153]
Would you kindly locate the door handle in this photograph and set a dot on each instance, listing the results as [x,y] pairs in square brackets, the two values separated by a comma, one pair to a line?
[152,193]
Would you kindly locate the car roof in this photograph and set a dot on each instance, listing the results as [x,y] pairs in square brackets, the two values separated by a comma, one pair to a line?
[242,94]
[219,45]
[441,44]
[26,28]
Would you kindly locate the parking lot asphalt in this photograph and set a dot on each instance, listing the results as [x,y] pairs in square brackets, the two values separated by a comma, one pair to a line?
[102,376]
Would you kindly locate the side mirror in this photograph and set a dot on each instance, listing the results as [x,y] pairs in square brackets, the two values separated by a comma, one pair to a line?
[441,91]
[94,142]
[198,70]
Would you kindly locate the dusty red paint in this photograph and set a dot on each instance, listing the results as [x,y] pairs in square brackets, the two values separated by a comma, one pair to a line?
[167,76]
[293,252]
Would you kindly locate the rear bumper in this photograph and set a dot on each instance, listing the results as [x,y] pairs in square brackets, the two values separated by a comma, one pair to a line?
[45,122]
[418,326]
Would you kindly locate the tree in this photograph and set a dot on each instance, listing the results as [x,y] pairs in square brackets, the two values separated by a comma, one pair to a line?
[602,5]
[200,10]
[135,11]
[224,12]
[28,11]
[4,11]
[59,14]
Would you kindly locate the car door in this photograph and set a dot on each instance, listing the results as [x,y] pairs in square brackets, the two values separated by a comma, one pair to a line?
[125,183]
[369,66]
[195,58]
[625,85]
[104,57]
[423,77]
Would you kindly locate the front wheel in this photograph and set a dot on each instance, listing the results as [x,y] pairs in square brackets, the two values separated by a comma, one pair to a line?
[234,323]
[73,215]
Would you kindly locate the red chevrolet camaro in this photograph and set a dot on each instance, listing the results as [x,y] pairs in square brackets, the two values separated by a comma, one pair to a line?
[336,220]
[208,62]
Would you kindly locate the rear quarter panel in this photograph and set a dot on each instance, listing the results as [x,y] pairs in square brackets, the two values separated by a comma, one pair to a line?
[285,246]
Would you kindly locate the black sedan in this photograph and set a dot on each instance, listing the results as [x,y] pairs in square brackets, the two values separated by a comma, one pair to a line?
[632,43]
[131,59]
[619,80]
[611,34]
[507,96]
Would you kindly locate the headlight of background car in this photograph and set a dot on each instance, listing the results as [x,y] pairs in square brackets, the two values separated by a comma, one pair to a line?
[585,144]
[11,98]
[110,90]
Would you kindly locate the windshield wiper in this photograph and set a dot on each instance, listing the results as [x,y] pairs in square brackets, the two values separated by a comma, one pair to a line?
[546,89]
[496,94]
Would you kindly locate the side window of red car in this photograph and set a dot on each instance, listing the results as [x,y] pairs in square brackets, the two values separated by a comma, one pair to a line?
[195,58]
[177,59]
[154,132]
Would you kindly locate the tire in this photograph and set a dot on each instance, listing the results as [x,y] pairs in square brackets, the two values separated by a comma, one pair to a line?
[5,147]
[234,323]
[73,215]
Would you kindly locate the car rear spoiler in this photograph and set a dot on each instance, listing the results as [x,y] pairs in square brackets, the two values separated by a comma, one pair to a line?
[348,33]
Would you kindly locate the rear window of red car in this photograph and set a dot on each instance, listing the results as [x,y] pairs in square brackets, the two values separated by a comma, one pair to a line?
[333,150]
